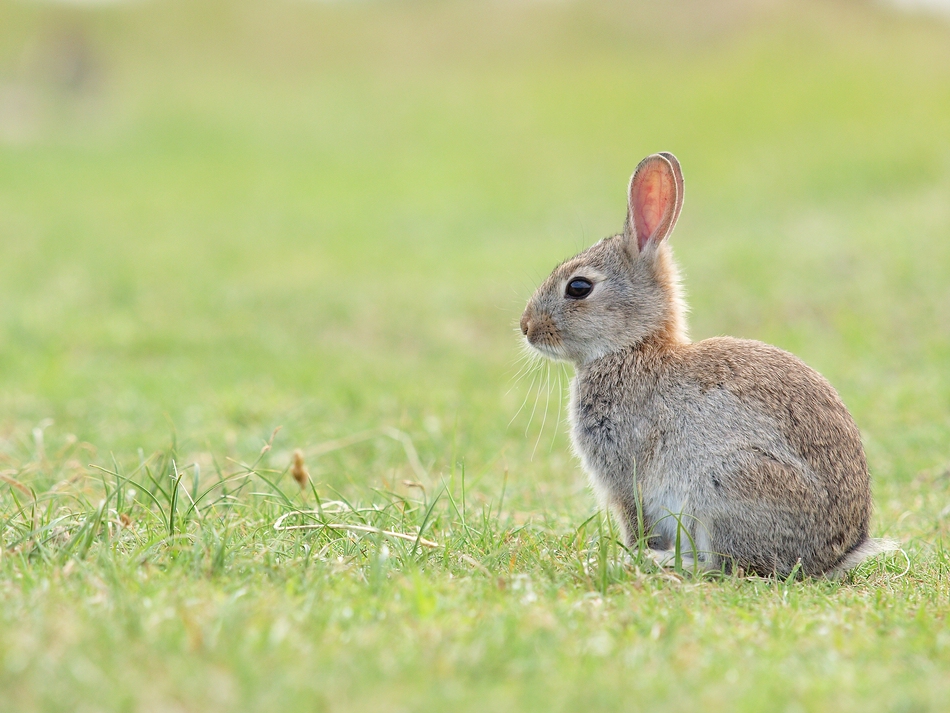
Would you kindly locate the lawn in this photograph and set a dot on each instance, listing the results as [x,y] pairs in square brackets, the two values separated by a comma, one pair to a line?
[232,230]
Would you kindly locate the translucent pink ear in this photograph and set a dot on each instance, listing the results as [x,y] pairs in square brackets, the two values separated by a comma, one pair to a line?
[655,198]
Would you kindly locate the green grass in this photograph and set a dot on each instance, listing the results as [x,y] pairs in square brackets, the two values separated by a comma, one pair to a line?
[326,217]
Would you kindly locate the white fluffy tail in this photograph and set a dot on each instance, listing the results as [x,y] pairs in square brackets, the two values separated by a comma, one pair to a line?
[868,548]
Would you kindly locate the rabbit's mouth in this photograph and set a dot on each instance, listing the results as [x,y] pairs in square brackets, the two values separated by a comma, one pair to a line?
[546,350]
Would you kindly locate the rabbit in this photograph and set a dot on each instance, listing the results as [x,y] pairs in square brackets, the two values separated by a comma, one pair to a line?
[728,453]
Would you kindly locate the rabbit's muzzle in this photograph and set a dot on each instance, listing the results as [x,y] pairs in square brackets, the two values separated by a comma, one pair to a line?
[540,330]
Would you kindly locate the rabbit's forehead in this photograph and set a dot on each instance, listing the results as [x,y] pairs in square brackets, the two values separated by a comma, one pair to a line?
[596,263]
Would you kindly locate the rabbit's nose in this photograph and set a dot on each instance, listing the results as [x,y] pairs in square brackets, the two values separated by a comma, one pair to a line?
[525,324]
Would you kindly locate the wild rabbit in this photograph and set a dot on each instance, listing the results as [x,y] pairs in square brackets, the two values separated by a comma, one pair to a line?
[734,449]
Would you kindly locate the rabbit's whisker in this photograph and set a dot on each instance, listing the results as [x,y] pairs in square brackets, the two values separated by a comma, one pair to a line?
[547,403]
[528,360]
[526,395]
[560,405]
[537,398]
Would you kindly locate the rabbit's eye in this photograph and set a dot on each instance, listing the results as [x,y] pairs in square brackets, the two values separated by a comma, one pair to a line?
[578,288]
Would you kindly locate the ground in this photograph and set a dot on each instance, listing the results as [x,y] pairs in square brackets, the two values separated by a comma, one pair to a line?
[218,220]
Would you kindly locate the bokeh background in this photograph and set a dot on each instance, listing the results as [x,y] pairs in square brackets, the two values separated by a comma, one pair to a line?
[217,218]
[221,217]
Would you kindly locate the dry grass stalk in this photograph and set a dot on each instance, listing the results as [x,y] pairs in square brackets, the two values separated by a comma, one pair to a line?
[280,527]
[299,469]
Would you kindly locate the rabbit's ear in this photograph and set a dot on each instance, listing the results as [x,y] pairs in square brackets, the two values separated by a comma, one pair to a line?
[655,198]
[680,186]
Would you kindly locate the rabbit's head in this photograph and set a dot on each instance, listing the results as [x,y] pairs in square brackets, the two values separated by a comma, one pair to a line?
[622,290]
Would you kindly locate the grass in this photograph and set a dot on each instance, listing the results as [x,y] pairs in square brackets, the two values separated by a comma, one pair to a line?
[217,219]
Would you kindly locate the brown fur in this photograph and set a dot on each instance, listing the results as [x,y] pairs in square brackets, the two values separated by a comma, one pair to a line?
[751,450]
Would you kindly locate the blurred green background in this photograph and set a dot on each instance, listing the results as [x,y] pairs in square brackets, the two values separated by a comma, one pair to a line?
[217,218]
[223,217]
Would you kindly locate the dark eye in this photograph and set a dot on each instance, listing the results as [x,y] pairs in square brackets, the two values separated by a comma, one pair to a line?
[578,288]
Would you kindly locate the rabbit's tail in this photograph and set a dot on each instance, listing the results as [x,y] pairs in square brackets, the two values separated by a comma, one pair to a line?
[868,548]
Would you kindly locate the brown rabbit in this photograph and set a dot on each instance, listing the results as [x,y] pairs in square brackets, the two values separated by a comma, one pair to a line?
[733,449]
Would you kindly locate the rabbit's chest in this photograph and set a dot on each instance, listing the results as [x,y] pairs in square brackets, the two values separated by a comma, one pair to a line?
[617,440]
